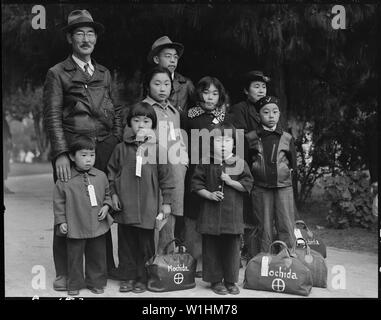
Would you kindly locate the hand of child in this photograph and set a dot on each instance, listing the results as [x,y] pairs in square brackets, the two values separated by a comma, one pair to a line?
[166,210]
[226,178]
[63,228]
[103,212]
[216,196]
[116,203]
[142,134]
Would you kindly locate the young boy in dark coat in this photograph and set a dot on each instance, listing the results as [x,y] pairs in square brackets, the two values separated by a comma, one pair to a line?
[274,163]
[221,184]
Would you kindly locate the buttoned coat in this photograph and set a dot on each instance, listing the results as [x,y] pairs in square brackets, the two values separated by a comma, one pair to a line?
[71,204]
[226,216]
[139,196]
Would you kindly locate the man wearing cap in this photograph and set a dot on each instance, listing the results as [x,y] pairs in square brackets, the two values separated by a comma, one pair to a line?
[78,101]
[166,53]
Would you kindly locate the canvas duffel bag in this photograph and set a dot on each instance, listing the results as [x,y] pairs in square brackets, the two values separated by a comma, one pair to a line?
[302,231]
[281,272]
[314,261]
[171,271]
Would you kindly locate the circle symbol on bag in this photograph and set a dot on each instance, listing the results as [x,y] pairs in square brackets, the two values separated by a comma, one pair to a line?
[278,285]
[178,278]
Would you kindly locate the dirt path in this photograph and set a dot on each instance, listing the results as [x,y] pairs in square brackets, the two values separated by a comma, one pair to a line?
[28,224]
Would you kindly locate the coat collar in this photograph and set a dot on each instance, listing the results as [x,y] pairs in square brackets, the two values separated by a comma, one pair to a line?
[262,131]
[75,172]
[179,78]
[152,102]
[132,140]
[79,76]
[197,111]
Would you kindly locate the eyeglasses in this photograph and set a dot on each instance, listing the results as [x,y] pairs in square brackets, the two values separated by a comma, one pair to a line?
[80,35]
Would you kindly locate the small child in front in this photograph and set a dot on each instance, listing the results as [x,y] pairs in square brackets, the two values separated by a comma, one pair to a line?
[81,206]
[221,184]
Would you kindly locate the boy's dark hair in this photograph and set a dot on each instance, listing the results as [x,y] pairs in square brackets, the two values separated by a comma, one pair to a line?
[204,84]
[151,73]
[81,143]
[142,109]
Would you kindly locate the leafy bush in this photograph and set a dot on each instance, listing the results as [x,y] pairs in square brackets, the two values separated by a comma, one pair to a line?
[350,200]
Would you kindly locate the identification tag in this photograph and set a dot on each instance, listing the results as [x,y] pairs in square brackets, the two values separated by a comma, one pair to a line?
[172,133]
[93,198]
[265,266]
[139,161]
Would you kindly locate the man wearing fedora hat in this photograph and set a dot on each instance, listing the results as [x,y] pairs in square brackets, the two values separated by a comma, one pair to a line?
[78,101]
[166,53]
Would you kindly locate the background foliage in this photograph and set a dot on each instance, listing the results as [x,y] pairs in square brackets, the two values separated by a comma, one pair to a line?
[326,79]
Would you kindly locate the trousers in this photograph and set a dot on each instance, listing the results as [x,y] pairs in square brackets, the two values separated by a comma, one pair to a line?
[275,210]
[103,152]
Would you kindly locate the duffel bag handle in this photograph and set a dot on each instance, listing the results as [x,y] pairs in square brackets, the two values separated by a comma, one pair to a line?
[176,241]
[305,227]
[281,243]
[303,223]
[305,244]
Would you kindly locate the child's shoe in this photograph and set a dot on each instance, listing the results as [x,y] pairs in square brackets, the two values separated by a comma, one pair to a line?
[139,287]
[60,283]
[232,288]
[126,286]
[73,292]
[219,288]
[95,290]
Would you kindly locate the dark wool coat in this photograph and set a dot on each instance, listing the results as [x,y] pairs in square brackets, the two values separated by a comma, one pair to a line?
[181,96]
[224,217]
[139,196]
[74,105]
[71,204]
[199,122]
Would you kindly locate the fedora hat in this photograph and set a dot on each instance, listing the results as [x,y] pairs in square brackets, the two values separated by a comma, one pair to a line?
[161,43]
[80,18]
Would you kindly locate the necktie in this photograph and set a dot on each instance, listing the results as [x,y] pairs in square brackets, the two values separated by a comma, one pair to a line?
[87,71]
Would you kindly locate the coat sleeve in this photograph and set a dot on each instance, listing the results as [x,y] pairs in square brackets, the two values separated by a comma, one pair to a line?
[113,168]
[53,111]
[59,201]
[166,178]
[117,125]
[238,117]
[107,198]
[245,178]
[293,161]
[191,91]
[199,178]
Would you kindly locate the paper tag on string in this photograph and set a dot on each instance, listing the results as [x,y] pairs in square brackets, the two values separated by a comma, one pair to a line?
[139,161]
[93,198]
[172,133]
[265,266]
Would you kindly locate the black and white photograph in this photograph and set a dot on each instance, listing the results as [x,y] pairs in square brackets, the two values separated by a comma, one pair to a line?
[190,149]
